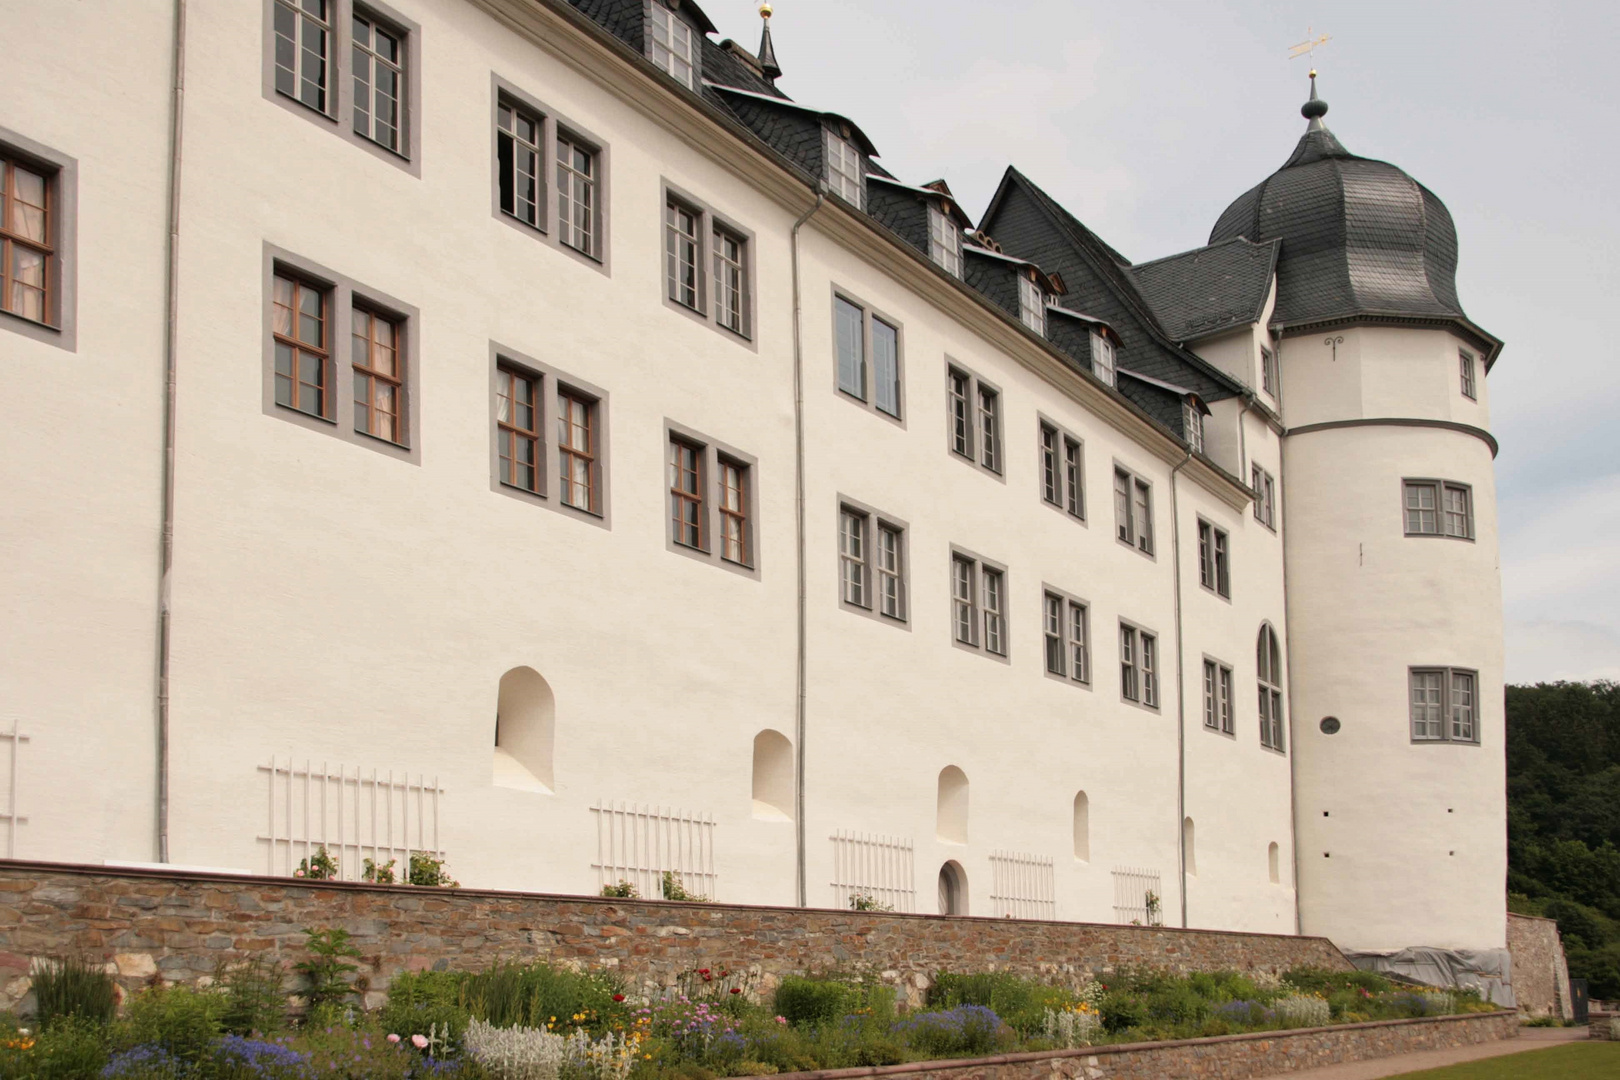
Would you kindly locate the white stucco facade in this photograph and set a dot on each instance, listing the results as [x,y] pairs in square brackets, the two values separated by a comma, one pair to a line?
[335,602]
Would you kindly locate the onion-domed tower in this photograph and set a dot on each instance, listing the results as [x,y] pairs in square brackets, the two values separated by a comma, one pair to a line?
[1394,595]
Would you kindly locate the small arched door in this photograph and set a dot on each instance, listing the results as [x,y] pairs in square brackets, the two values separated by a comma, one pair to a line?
[952,889]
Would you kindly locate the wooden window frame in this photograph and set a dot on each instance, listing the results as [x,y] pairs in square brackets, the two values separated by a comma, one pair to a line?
[553,126]
[1467,375]
[1139,659]
[1192,423]
[1075,649]
[326,389]
[551,384]
[1107,374]
[533,149]
[375,376]
[989,459]
[736,513]
[838,178]
[509,434]
[1440,489]
[689,513]
[1448,718]
[987,621]
[1031,303]
[12,237]
[1068,458]
[713,457]
[684,252]
[59,246]
[1138,491]
[1268,371]
[344,296]
[694,47]
[877,523]
[573,181]
[374,59]
[1270,667]
[713,269]
[337,113]
[738,318]
[868,396]
[583,444]
[944,241]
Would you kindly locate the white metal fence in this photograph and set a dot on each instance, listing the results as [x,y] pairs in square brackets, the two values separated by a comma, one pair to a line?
[354,813]
[1021,885]
[640,844]
[10,807]
[881,868]
[1138,896]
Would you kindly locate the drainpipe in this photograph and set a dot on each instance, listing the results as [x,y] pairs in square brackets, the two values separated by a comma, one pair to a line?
[798,521]
[171,289]
[1288,655]
[1181,691]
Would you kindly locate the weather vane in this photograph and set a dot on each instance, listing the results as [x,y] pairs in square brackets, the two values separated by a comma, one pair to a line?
[1308,47]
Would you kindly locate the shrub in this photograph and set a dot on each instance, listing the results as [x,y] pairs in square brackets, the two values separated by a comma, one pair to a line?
[533,995]
[180,1020]
[1300,1010]
[340,1053]
[424,869]
[624,890]
[255,996]
[1241,1013]
[1178,1005]
[1315,980]
[674,889]
[861,900]
[327,969]
[378,874]
[69,987]
[1071,1028]
[520,1053]
[808,1002]
[1021,1002]
[778,1045]
[963,1030]
[145,1062]
[318,867]
[1123,1010]
[73,1048]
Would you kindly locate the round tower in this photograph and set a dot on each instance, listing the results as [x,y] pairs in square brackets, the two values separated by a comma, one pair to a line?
[1390,547]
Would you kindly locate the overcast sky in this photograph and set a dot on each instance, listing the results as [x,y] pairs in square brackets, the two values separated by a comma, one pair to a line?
[1147,119]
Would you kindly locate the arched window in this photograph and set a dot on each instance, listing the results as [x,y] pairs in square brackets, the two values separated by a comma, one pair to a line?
[1268,661]
[773,776]
[525,721]
[953,893]
[1082,827]
[1188,849]
[952,821]
[1274,857]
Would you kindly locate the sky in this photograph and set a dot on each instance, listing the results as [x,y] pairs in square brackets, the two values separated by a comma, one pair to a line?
[1147,119]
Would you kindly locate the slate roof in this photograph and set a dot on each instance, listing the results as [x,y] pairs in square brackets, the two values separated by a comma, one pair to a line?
[1359,236]
[1209,289]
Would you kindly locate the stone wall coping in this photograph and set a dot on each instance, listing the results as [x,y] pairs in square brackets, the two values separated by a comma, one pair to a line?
[10,866]
[1538,918]
[948,1064]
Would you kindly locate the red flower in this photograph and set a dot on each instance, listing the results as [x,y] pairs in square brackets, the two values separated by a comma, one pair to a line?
[618,997]
[736,989]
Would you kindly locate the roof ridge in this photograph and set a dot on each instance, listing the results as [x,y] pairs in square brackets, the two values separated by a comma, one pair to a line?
[1203,247]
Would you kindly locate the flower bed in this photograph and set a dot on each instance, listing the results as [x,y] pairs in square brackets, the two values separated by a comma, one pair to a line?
[536,1022]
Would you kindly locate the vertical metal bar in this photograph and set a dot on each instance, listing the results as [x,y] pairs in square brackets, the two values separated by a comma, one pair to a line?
[270,866]
[343,834]
[11,797]
[287,805]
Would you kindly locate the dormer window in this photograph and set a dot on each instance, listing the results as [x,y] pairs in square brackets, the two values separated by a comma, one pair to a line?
[1102,358]
[1192,424]
[671,45]
[1032,304]
[844,170]
[944,241]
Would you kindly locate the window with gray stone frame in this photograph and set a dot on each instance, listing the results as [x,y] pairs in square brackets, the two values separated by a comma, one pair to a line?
[1265,497]
[349,66]
[1133,510]
[1466,363]
[708,268]
[1062,469]
[711,500]
[1066,623]
[974,418]
[550,176]
[1138,665]
[1218,697]
[869,352]
[1445,704]
[1269,668]
[873,562]
[978,604]
[38,241]
[1442,508]
[549,442]
[1214,559]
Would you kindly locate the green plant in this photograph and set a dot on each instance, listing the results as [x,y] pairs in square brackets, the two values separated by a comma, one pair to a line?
[255,996]
[318,867]
[327,969]
[378,874]
[73,1048]
[1122,1010]
[69,987]
[424,869]
[183,1021]
[1021,1002]
[861,900]
[534,995]
[1155,914]
[806,1002]
[420,1001]
[674,889]
[624,890]
[963,1030]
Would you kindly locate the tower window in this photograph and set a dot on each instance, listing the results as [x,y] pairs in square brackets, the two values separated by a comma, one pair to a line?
[1445,704]
[1268,371]
[1268,662]
[1466,361]
[1439,508]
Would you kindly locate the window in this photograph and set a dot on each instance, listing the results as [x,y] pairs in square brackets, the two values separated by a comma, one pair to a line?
[576,195]
[1444,705]
[1102,358]
[1062,472]
[1214,564]
[1268,371]
[1265,498]
[26,249]
[303,51]
[1218,697]
[891,571]
[1268,661]
[978,603]
[1031,304]
[975,418]
[303,353]
[1439,508]
[1067,626]
[378,375]
[520,162]
[872,562]
[379,82]
[670,45]
[576,450]
[1192,422]
[858,334]
[517,423]
[944,241]
[1133,510]
[845,172]
[683,258]
[731,280]
[1466,360]
[711,513]
[852,556]
[686,492]
[1138,665]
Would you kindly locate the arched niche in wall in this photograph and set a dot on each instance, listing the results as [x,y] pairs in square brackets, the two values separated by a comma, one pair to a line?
[525,731]
[1274,859]
[952,819]
[773,777]
[953,889]
[1082,827]
[1188,847]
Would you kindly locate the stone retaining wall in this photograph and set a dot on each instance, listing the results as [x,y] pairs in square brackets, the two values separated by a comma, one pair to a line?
[1229,1057]
[1601,1024]
[177,926]
[1540,973]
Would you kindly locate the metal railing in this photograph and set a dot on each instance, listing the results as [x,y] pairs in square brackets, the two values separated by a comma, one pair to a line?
[1138,896]
[640,844]
[354,813]
[12,816]
[1022,885]
[880,868]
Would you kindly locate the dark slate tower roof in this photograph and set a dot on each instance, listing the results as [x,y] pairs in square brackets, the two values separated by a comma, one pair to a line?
[1360,238]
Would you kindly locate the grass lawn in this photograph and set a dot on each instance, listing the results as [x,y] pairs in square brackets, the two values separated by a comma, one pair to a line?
[1576,1061]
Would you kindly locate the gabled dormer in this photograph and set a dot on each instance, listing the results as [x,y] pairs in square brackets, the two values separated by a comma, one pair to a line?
[926,217]
[1089,342]
[672,38]
[824,146]
[1017,286]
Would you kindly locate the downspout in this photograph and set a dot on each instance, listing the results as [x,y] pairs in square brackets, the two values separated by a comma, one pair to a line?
[1288,656]
[171,288]
[799,525]
[1181,691]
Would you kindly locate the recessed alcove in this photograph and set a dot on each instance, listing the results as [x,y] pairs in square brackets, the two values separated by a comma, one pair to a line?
[952,813]
[773,777]
[525,731]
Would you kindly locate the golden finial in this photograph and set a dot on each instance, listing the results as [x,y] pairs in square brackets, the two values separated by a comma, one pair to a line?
[764,11]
